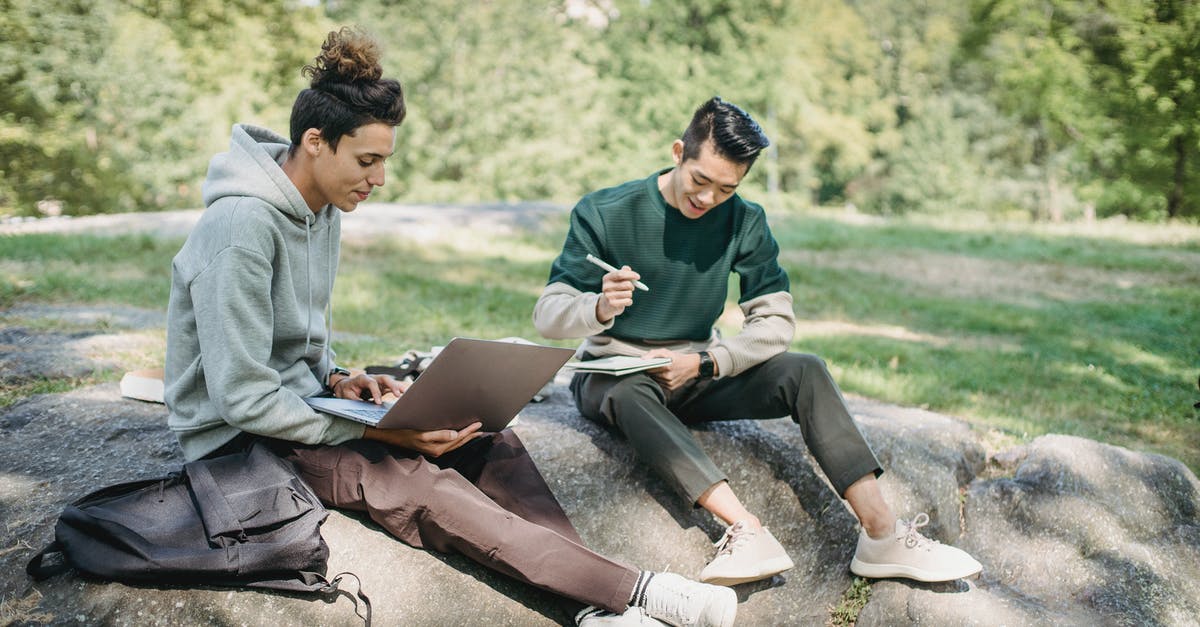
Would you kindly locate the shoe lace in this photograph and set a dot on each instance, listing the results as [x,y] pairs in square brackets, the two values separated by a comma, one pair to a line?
[735,535]
[913,538]
[675,604]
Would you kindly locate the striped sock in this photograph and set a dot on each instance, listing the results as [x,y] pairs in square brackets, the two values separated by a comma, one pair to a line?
[638,598]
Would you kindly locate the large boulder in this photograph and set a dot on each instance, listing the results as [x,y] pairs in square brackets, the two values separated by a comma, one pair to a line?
[1068,530]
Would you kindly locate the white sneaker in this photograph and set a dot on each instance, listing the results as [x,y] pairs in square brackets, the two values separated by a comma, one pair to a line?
[592,616]
[745,555]
[909,554]
[679,601]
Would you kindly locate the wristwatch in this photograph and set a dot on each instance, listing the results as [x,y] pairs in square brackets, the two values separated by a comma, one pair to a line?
[333,371]
[706,365]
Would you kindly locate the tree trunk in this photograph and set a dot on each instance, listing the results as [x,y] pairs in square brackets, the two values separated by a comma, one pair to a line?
[773,156]
[1175,199]
[1054,202]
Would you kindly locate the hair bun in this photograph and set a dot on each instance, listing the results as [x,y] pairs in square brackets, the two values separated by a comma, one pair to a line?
[347,56]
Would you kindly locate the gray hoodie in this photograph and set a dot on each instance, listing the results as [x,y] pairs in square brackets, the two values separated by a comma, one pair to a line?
[246,322]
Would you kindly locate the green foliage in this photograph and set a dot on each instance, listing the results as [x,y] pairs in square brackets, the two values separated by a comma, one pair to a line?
[48,141]
[1047,108]
[1125,197]
[117,106]
[1108,90]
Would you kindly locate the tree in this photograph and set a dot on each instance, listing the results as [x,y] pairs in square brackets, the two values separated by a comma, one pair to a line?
[1037,65]
[1108,89]
[1157,54]
[49,146]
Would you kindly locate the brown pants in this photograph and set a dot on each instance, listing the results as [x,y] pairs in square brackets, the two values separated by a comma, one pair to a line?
[485,500]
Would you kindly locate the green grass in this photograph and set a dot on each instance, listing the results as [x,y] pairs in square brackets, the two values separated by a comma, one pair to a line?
[1112,357]
[853,600]
[11,393]
[1020,329]
[131,270]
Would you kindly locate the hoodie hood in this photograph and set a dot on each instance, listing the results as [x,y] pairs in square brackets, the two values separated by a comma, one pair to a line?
[252,168]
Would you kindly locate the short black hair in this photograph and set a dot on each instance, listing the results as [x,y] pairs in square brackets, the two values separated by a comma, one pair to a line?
[735,135]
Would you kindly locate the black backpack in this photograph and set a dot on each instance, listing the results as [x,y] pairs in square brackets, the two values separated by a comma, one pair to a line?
[244,519]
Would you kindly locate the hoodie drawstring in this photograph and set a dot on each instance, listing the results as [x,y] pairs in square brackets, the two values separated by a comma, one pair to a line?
[308,281]
[329,299]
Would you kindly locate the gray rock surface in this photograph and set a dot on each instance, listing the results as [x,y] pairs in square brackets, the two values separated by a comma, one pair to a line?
[1069,531]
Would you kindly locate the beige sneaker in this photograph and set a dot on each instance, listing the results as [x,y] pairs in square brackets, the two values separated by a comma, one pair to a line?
[909,554]
[745,555]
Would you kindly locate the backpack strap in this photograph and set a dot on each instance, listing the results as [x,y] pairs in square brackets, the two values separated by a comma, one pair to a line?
[39,570]
[219,519]
[331,586]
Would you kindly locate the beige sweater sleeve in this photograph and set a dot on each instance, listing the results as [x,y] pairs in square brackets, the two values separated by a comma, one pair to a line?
[767,331]
[563,312]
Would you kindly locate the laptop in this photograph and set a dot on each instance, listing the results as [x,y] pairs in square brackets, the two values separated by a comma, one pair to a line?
[470,380]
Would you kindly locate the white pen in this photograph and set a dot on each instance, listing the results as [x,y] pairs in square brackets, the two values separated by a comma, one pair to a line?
[637,284]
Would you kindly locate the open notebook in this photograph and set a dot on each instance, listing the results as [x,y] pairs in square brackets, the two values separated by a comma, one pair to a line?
[618,365]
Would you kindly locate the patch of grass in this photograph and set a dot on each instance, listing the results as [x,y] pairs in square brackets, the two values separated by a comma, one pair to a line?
[845,613]
[412,297]
[1113,362]
[131,269]
[10,393]
[1117,364]
[21,611]
[1152,248]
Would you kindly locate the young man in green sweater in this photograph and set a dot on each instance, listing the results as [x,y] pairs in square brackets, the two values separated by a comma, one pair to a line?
[684,230]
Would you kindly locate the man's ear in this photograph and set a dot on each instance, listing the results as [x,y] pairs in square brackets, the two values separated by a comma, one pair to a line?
[677,152]
[311,142]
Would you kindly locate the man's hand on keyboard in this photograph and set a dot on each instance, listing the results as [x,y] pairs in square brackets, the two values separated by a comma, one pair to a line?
[368,387]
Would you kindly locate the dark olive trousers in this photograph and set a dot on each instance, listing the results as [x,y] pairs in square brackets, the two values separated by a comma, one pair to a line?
[655,420]
[485,500]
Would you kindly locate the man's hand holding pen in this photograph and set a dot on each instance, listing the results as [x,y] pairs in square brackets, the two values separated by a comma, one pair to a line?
[616,293]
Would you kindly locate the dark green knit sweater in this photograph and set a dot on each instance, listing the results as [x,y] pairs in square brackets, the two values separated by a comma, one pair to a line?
[686,263]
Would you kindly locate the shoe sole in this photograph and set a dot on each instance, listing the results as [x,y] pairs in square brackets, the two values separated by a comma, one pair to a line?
[889,571]
[770,568]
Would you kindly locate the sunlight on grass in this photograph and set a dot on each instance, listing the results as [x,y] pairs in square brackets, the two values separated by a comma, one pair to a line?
[11,393]
[878,383]
[414,297]
[1133,354]
[1114,230]
[1090,376]
[1021,330]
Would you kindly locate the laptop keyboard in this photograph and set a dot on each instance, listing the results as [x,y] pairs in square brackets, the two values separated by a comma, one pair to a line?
[373,415]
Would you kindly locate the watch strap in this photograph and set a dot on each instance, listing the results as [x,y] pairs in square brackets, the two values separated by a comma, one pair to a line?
[706,365]
[333,371]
